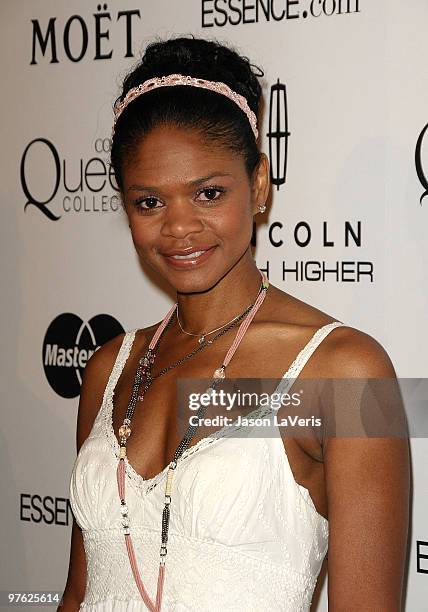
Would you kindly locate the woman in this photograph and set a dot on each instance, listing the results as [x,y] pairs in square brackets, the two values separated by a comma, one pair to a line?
[209,523]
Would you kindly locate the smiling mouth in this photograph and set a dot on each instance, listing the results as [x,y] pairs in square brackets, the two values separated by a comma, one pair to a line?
[190,259]
[189,256]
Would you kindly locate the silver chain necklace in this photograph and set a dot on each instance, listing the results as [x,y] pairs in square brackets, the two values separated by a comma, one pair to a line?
[202,336]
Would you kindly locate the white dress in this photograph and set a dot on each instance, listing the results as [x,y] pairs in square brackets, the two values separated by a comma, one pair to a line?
[243,535]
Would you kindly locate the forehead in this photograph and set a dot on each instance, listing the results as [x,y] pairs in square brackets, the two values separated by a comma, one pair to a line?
[170,154]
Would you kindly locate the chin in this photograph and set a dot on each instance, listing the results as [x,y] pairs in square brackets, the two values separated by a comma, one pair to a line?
[193,281]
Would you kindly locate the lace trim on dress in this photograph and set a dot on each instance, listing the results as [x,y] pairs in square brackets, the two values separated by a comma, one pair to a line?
[145,485]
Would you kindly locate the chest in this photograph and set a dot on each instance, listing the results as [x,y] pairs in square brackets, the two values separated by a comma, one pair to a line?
[161,418]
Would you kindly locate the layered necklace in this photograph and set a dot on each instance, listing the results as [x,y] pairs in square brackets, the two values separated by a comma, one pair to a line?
[143,378]
[202,337]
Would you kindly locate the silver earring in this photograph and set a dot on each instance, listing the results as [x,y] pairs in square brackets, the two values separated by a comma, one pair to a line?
[262,208]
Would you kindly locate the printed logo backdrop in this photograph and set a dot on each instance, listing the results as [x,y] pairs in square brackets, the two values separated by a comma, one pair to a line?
[55,183]
[67,346]
[345,126]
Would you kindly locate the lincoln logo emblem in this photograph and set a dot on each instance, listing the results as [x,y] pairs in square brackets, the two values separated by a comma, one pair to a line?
[278,133]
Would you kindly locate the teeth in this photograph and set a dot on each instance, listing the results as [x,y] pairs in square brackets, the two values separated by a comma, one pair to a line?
[190,256]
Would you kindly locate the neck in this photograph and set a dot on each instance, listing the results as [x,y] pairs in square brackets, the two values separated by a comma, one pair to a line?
[202,312]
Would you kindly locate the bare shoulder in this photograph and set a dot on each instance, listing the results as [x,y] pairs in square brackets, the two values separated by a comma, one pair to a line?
[352,353]
[99,366]
[345,352]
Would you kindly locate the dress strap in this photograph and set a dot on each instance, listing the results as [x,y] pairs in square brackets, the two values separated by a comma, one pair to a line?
[121,358]
[304,355]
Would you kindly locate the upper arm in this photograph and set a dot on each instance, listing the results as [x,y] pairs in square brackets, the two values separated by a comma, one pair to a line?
[94,380]
[367,485]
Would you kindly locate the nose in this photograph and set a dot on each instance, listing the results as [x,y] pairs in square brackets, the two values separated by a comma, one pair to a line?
[180,219]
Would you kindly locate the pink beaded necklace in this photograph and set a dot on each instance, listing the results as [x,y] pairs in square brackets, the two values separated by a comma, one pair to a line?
[125,431]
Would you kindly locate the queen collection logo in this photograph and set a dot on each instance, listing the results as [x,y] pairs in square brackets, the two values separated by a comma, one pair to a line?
[51,180]
[278,133]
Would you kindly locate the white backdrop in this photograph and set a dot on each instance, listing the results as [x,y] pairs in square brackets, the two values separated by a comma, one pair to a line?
[357,87]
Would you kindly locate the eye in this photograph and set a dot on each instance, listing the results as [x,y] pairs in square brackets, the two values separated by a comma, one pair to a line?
[146,204]
[212,192]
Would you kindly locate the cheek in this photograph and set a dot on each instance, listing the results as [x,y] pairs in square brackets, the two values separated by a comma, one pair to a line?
[142,235]
[238,222]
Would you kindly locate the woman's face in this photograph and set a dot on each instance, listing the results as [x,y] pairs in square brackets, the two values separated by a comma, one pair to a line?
[183,193]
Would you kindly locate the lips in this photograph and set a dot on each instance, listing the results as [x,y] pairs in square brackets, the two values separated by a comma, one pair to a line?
[187,251]
[188,258]
[191,255]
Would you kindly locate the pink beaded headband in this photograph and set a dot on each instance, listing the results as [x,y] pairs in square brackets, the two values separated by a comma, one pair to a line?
[180,79]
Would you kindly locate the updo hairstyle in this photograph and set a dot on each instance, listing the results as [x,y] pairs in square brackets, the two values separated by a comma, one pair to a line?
[218,119]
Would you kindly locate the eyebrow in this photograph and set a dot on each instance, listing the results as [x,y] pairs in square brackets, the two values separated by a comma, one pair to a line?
[194,183]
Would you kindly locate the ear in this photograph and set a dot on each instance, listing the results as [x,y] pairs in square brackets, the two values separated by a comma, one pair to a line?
[260,184]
